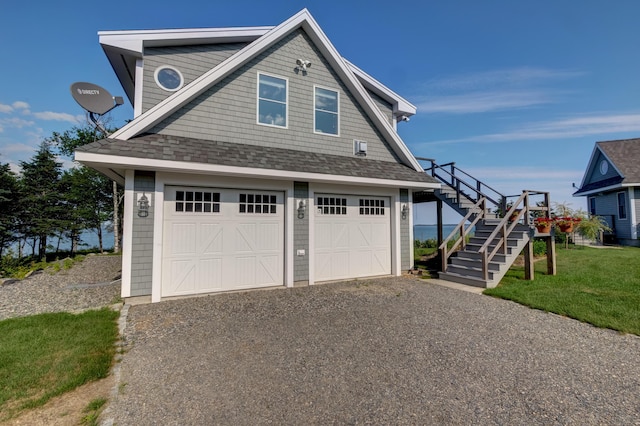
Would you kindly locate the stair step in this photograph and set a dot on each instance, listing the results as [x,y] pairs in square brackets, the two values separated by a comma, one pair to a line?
[475,263]
[453,277]
[474,255]
[469,272]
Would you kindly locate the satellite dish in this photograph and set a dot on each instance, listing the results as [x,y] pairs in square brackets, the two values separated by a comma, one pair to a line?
[94,98]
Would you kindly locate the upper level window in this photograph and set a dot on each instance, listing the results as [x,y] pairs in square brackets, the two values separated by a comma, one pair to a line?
[326,118]
[622,205]
[272,100]
[169,78]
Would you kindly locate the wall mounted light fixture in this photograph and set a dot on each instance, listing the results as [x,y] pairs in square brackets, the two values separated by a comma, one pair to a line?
[404,210]
[302,207]
[143,206]
[302,65]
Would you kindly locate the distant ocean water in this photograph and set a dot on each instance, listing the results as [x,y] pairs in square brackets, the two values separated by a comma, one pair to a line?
[430,232]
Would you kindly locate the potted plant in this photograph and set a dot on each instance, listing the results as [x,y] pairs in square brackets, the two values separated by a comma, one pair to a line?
[566,223]
[543,224]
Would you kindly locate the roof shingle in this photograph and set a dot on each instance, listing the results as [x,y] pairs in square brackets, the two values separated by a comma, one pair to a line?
[176,148]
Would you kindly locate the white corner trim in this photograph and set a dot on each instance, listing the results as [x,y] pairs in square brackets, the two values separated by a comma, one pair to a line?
[412,260]
[311,208]
[127,235]
[289,249]
[396,246]
[137,100]
[158,229]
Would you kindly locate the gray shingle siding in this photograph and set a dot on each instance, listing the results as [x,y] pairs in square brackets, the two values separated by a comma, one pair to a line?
[191,61]
[142,236]
[301,235]
[385,107]
[406,245]
[233,100]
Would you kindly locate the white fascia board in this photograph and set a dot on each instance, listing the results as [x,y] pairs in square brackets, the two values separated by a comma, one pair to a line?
[598,190]
[112,161]
[136,40]
[401,105]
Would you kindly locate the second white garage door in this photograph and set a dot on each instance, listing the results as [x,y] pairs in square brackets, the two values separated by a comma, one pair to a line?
[221,239]
[352,236]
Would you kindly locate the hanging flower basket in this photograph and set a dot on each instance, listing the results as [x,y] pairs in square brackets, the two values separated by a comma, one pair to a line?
[543,224]
[566,224]
[514,216]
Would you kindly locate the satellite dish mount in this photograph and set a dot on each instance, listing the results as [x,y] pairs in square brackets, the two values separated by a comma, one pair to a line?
[95,100]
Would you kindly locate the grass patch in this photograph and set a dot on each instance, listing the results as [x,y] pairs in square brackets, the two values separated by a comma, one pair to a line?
[597,286]
[92,411]
[45,355]
[423,251]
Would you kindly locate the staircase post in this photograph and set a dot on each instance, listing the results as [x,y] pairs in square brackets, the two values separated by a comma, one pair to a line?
[528,261]
[551,254]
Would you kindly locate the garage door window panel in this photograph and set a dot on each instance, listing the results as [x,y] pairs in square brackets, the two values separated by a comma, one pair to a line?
[369,207]
[257,203]
[331,205]
[197,202]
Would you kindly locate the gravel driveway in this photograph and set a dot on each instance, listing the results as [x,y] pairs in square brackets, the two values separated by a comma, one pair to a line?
[386,351]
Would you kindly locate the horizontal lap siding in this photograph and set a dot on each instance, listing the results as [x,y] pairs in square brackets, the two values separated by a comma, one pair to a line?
[594,175]
[406,245]
[227,112]
[301,234]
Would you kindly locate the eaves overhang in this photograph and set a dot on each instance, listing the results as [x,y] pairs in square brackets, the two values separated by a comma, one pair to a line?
[112,165]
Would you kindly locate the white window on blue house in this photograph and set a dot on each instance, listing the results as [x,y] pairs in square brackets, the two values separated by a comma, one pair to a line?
[622,205]
[327,115]
[272,100]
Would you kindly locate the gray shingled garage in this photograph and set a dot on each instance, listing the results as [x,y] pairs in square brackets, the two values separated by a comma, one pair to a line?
[218,239]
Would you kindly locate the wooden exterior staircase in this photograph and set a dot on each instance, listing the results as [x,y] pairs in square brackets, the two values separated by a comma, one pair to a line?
[503,228]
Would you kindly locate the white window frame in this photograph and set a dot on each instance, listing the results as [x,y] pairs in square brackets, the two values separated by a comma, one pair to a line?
[337,113]
[286,102]
[624,197]
[160,68]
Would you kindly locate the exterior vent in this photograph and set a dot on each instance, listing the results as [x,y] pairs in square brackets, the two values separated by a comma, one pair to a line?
[360,148]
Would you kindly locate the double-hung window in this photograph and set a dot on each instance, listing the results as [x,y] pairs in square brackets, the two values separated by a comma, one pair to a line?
[272,100]
[622,205]
[326,111]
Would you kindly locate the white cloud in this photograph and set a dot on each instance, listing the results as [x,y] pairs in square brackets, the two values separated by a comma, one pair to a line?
[515,77]
[560,129]
[484,101]
[20,105]
[17,122]
[493,90]
[57,116]
[13,148]
[5,108]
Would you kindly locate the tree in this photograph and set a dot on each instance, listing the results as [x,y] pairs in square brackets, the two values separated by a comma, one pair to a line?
[40,183]
[9,207]
[88,202]
[67,142]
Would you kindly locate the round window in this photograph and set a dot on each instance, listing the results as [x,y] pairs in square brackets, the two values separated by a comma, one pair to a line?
[604,167]
[169,78]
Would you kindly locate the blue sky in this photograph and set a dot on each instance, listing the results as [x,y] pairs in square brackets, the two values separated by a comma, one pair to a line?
[514,92]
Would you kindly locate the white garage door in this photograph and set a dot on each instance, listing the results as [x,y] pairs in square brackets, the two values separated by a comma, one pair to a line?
[221,239]
[352,236]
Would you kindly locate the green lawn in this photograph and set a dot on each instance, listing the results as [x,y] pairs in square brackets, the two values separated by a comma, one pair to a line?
[45,355]
[600,286]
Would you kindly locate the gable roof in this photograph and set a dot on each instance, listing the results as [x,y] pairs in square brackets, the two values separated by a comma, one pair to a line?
[304,20]
[624,156]
[164,152]
[123,48]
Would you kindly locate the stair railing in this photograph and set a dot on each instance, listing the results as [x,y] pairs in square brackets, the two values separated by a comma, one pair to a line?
[462,231]
[460,180]
[503,229]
